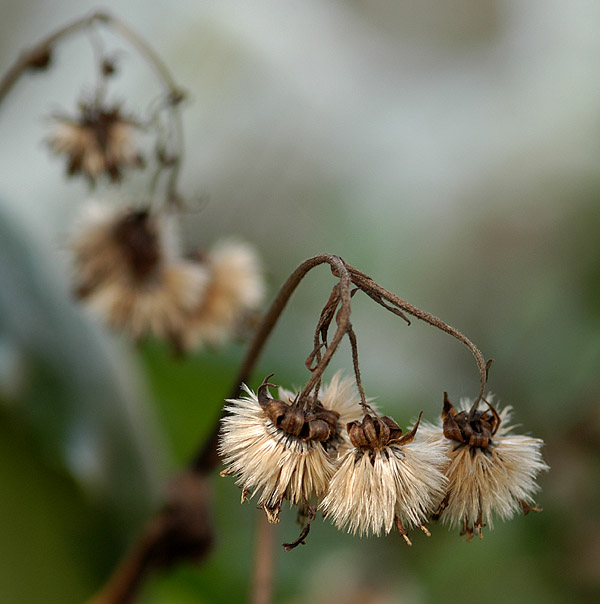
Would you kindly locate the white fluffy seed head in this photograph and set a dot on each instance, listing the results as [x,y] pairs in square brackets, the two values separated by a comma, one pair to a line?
[267,460]
[160,308]
[235,289]
[158,300]
[373,487]
[484,482]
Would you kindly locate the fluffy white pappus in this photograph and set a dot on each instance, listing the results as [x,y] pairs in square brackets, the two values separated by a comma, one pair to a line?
[161,308]
[483,482]
[98,257]
[235,289]
[157,301]
[371,488]
[268,460]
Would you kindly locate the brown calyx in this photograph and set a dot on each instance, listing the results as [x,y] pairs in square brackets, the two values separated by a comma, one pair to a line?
[136,234]
[378,432]
[318,424]
[475,428]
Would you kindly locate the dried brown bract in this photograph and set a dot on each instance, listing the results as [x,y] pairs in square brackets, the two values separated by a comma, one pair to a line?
[490,470]
[100,141]
[386,479]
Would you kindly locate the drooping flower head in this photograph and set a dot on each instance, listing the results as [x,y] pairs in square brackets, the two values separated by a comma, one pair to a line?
[126,271]
[386,479]
[490,470]
[279,449]
[100,141]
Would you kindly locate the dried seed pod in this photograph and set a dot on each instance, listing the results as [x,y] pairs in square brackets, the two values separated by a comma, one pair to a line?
[277,448]
[276,464]
[319,424]
[385,480]
[490,470]
[475,428]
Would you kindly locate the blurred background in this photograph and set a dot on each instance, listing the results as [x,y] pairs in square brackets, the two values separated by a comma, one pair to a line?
[450,149]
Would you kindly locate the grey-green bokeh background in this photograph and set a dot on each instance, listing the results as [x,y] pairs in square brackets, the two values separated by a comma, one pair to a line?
[450,149]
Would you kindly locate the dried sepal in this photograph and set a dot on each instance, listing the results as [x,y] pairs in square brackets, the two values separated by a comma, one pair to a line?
[474,427]
[317,424]
[378,432]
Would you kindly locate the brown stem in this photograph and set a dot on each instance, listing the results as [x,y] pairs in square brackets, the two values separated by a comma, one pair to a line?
[262,581]
[175,95]
[339,269]
[354,346]
[207,458]
[123,584]
[28,58]
[375,291]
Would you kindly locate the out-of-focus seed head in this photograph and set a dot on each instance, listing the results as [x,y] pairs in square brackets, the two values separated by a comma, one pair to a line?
[98,142]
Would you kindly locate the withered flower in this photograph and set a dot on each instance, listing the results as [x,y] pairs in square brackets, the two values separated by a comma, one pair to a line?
[490,471]
[234,290]
[278,448]
[385,479]
[126,271]
[100,141]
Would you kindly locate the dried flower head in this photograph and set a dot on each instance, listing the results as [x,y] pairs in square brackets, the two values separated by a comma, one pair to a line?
[100,141]
[491,471]
[385,479]
[126,271]
[235,289]
[280,449]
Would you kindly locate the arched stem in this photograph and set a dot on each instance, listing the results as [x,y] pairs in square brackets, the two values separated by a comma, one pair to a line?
[382,295]
[207,457]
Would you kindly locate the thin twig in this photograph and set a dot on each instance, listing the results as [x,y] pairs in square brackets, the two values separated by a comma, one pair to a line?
[28,58]
[365,283]
[354,346]
[124,582]
[262,583]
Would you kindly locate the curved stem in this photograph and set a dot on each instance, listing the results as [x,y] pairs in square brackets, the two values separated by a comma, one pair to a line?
[206,458]
[262,578]
[28,58]
[379,294]
[339,269]
[175,96]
